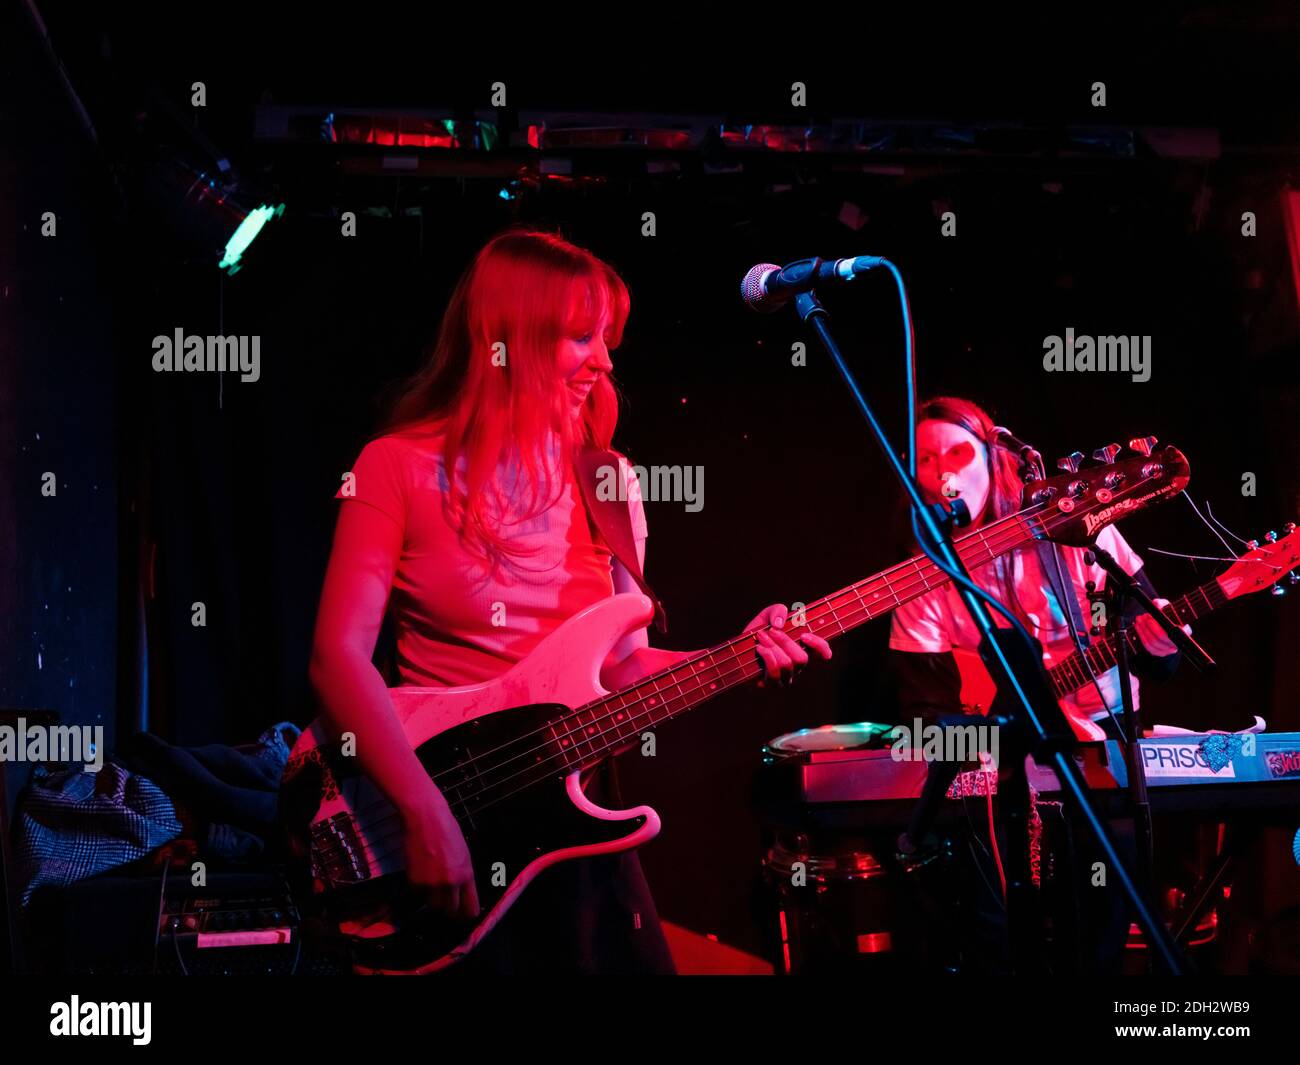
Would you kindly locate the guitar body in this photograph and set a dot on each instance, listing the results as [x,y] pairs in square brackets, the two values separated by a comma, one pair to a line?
[979,689]
[350,834]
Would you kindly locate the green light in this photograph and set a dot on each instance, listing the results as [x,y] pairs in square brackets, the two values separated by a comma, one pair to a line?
[247,232]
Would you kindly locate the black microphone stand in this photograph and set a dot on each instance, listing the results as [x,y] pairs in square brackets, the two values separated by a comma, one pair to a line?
[1120,587]
[1035,724]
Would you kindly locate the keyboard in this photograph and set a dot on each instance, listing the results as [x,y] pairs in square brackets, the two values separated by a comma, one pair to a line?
[1196,773]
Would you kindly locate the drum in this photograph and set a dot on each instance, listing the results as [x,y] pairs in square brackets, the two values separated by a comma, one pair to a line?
[831,898]
[862,735]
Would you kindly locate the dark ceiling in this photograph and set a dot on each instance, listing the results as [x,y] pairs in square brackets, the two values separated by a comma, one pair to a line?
[1200,64]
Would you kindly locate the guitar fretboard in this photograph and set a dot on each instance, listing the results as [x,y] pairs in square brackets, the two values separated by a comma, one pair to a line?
[589,734]
[1077,671]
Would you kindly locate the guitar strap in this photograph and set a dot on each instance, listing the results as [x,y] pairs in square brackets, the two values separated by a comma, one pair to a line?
[1049,558]
[614,520]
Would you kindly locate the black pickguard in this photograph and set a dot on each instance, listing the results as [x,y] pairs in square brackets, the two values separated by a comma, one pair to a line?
[511,806]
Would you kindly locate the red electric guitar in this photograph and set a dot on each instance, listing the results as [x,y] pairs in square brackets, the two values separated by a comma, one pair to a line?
[1263,566]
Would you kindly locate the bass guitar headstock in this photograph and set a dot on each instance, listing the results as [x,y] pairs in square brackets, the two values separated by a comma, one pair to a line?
[1081,501]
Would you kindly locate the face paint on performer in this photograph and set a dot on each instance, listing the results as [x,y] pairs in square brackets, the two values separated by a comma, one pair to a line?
[952,462]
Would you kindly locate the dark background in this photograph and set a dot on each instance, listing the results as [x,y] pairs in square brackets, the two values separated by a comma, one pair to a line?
[183,488]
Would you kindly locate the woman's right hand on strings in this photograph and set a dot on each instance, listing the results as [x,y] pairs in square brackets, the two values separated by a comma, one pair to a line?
[438,865]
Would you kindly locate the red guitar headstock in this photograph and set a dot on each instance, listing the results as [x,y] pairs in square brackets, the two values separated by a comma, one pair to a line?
[1083,500]
[1264,565]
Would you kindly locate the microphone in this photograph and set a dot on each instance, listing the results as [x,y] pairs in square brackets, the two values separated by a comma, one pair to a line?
[1006,438]
[1030,460]
[768,287]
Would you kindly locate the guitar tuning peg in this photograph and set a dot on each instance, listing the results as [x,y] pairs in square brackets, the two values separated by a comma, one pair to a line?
[1252,545]
[1289,528]
[1277,589]
[1270,537]
[1071,462]
[1143,445]
[1293,577]
[1107,454]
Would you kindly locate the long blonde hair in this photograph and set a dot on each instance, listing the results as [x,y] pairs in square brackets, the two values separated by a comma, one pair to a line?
[526,289]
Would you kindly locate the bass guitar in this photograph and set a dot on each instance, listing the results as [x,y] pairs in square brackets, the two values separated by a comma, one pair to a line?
[509,754]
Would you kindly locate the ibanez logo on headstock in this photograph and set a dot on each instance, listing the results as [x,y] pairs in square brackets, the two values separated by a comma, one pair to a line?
[1083,501]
